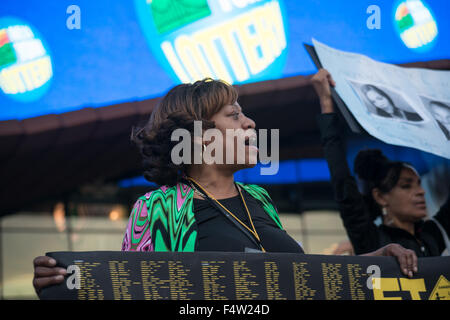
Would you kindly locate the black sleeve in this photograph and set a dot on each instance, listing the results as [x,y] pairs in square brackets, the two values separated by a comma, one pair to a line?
[361,230]
[443,216]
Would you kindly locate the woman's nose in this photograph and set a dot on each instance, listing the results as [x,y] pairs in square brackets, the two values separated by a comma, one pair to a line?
[249,123]
[420,190]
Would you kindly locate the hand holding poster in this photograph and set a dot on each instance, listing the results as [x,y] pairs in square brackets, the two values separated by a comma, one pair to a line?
[401,106]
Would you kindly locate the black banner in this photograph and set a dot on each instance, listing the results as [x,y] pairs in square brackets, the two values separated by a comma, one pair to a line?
[115,275]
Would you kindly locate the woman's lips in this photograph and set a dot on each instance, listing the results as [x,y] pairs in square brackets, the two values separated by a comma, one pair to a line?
[421,204]
[255,148]
[250,142]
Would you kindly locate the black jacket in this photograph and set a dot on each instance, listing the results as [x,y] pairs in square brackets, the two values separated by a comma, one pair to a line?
[361,230]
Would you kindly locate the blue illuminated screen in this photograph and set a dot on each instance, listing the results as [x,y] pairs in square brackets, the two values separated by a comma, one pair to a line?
[59,56]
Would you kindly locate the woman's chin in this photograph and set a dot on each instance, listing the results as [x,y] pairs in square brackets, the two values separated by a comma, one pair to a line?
[252,159]
[246,165]
[420,214]
[250,164]
[423,214]
[249,159]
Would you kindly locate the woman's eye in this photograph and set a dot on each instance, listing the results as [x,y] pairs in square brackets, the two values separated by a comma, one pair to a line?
[406,186]
[235,115]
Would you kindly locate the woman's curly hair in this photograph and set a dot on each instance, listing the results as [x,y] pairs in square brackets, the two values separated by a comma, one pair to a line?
[179,108]
[374,170]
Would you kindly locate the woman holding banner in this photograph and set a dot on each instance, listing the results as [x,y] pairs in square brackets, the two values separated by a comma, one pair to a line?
[389,189]
[199,206]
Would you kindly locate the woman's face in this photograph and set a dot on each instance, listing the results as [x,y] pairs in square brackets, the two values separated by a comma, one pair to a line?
[406,201]
[238,137]
[379,101]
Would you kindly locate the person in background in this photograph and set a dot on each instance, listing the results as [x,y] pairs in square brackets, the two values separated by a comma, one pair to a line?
[389,188]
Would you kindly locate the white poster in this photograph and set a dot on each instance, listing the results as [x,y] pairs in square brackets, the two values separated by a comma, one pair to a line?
[401,106]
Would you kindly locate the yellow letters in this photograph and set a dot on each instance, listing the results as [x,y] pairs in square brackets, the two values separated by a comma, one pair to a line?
[414,286]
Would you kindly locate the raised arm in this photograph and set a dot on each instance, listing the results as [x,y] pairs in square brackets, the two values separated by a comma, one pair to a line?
[361,230]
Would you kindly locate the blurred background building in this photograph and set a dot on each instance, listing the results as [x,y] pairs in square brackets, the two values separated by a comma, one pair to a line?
[75,76]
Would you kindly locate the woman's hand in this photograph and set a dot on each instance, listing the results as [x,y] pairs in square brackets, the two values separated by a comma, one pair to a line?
[405,257]
[344,247]
[46,273]
[321,82]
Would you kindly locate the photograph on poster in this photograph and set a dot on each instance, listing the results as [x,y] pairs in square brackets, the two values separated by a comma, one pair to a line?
[440,111]
[384,102]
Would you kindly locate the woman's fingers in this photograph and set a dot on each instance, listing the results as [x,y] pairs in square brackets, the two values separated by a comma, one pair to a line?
[331,80]
[44,261]
[410,258]
[325,74]
[406,258]
[402,260]
[48,272]
[321,82]
[412,261]
[415,262]
[45,267]
[321,75]
[43,282]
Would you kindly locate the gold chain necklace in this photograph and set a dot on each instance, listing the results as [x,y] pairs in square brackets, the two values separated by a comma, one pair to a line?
[236,218]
